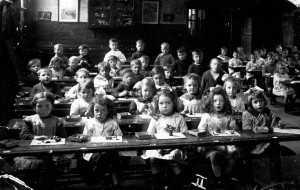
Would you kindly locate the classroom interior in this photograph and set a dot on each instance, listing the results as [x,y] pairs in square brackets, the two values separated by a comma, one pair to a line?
[30,29]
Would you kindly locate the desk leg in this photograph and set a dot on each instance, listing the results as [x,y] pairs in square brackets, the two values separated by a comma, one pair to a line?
[275,162]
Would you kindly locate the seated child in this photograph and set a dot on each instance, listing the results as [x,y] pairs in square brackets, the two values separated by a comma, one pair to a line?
[197,66]
[217,117]
[84,60]
[125,88]
[140,46]
[56,69]
[135,66]
[240,51]
[162,159]
[70,72]
[82,75]
[268,71]
[164,58]
[282,89]
[59,52]
[291,66]
[169,77]
[143,105]
[45,85]
[223,56]
[233,62]
[32,78]
[231,86]
[145,71]
[113,45]
[81,106]
[158,75]
[103,80]
[94,166]
[114,70]
[191,99]
[182,64]
[253,64]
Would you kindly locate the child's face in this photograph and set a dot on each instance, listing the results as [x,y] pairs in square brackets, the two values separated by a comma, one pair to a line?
[296,56]
[223,52]
[240,50]
[100,112]
[168,74]
[230,88]
[113,46]
[181,56]
[215,65]
[218,103]
[197,58]
[112,63]
[73,64]
[86,94]
[136,69]
[258,104]
[83,52]
[45,76]
[147,92]
[59,51]
[81,77]
[235,55]
[140,47]
[128,78]
[165,49]
[165,105]
[56,65]
[281,69]
[279,49]
[191,86]
[34,68]
[104,72]
[159,79]
[43,107]
[290,62]
[145,63]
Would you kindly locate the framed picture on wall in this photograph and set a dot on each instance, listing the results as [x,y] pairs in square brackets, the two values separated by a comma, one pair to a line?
[68,10]
[44,16]
[150,12]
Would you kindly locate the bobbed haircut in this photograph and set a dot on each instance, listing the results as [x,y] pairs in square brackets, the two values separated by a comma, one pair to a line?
[172,96]
[157,70]
[135,62]
[256,95]
[148,82]
[43,96]
[83,70]
[82,47]
[34,61]
[104,101]
[125,72]
[44,69]
[233,81]
[104,65]
[209,102]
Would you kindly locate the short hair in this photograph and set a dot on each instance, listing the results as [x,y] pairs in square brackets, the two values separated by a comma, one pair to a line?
[58,45]
[157,70]
[104,65]
[148,82]
[113,40]
[83,46]
[165,44]
[233,81]
[34,61]
[83,70]
[256,94]
[146,57]
[44,69]
[43,95]
[197,52]
[209,103]
[192,76]
[280,63]
[235,51]
[54,59]
[135,62]
[168,68]
[224,48]
[73,58]
[170,94]
[140,41]
[89,84]
[126,71]
[104,101]
[113,57]
[181,50]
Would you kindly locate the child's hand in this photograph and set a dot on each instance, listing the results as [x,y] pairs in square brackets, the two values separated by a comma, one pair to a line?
[130,93]
[211,88]
[124,93]
[42,137]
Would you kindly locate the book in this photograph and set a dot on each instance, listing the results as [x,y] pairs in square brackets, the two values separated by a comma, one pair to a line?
[73,118]
[125,115]
[194,115]
[195,132]
[9,143]
[78,138]
[143,135]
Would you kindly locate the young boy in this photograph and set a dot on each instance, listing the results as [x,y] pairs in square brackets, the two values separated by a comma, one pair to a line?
[164,58]
[140,46]
[125,88]
[145,71]
[82,75]
[158,75]
[57,71]
[223,56]
[113,45]
[197,67]
[45,84]
[70,72]
[182,63]
[135,66]
[84,60]
[32,78]
[233,62]
[103,80]
[114,70]
[59,52]
[169,77]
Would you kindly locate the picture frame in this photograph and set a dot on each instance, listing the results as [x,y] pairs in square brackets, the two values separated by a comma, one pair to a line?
[68,10]
[150,12]
[44,16]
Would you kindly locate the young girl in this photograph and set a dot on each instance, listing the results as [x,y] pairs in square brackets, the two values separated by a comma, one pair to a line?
[144,104]
[231,86]
[281,88]
[57,71]
[103,80]
[82,75]
[218,118]
[94,166]
[114,70]
[166,106]
[192,98]
[81,106]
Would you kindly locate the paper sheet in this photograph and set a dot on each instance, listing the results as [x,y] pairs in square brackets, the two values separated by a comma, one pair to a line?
[125,99]
[106,139]
[47,142]
[195,115]
[145,116]
[167,136]
[226,134]
[289,131]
